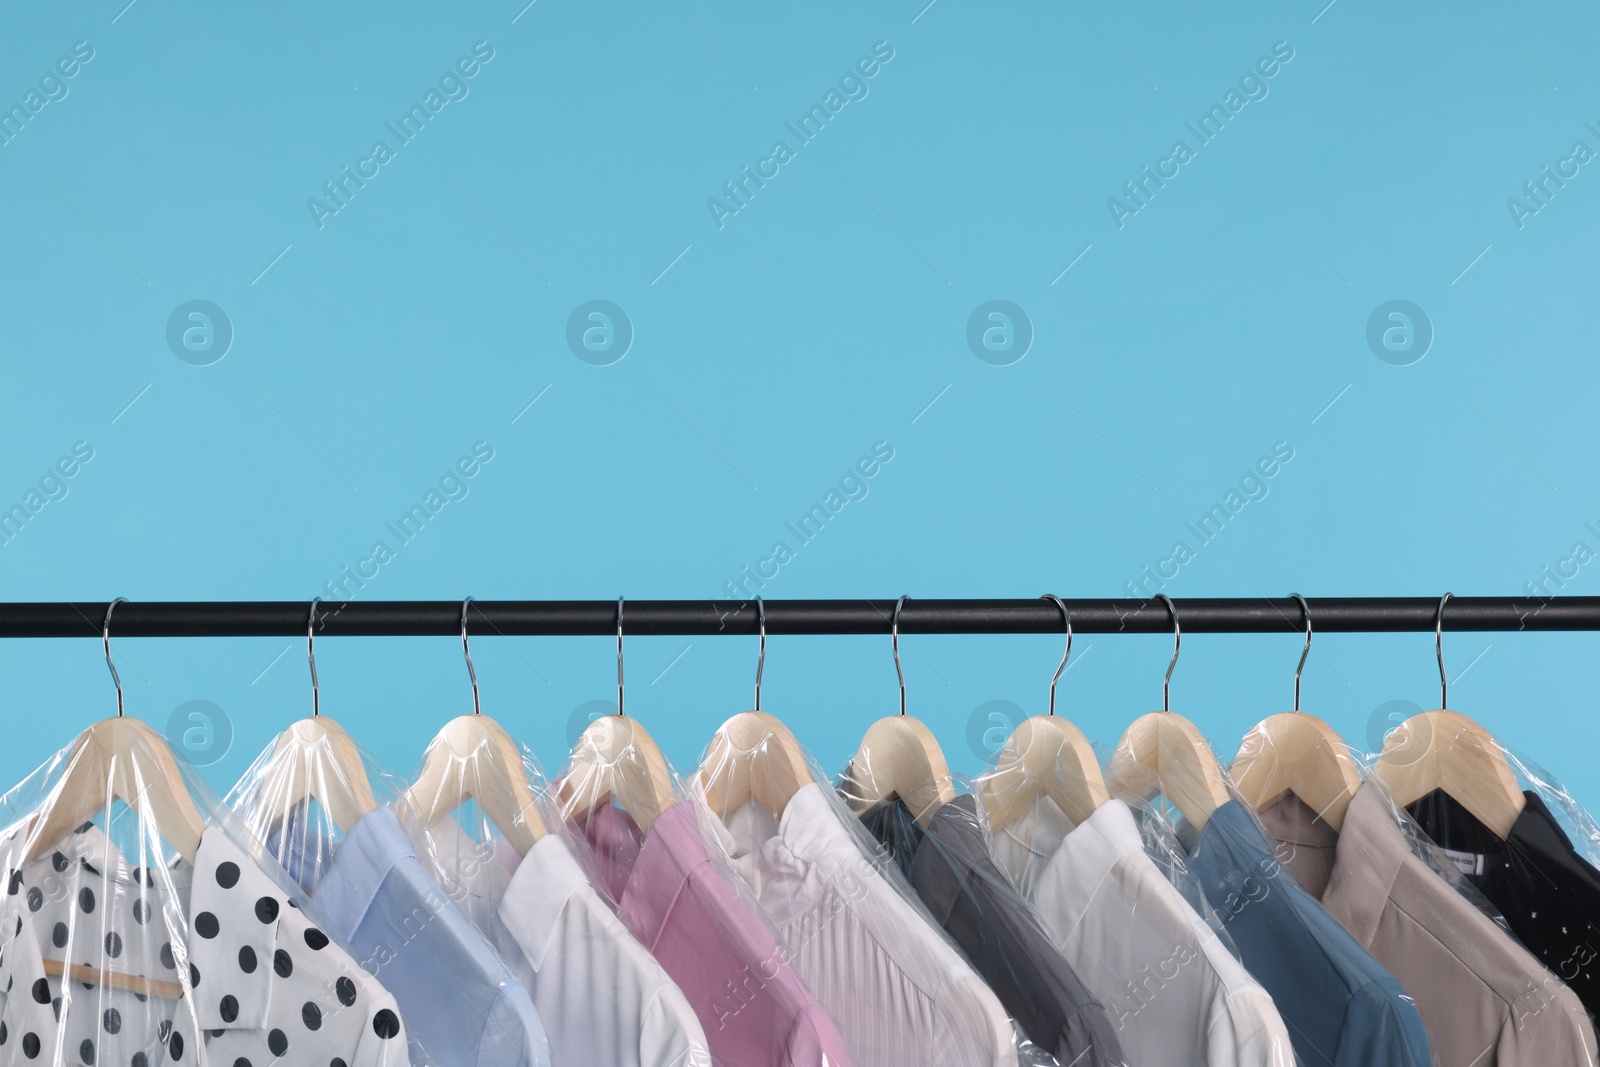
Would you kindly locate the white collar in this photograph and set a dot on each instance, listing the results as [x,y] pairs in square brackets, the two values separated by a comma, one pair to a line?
[544,885]
[1095,845]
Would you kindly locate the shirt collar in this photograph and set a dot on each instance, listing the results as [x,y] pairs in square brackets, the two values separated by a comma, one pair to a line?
[373,847]
[1370,855]
[468,867]
[1095,845]
[949,860]
[1038,831]
[795,859]
[669,855]
[541,889]
[90,848]
[614,840]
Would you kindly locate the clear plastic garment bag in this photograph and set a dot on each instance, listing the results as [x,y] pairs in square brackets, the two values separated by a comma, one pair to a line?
[143,926]
[342,827]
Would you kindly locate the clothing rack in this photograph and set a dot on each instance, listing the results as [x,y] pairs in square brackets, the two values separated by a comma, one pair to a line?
[443,618]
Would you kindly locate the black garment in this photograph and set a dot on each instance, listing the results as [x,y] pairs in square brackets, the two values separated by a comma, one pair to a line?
[1548,892]
[991,922]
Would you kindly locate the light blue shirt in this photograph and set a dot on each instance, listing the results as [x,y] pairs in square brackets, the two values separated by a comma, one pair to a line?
[1342,1008]
[461,1005]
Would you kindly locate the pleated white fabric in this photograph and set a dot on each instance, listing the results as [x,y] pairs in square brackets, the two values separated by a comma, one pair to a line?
[900,994]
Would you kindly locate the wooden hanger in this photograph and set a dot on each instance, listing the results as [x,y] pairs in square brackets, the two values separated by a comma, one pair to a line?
[617,757]
[753,755]
[1446,750]
[1045,755]
[1165,753]
[1295,752]
[119,759]
[473,758]
[899,757]
[315,760]
[1049,756]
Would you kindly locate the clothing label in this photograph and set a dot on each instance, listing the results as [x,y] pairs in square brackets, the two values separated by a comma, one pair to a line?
[1466,862]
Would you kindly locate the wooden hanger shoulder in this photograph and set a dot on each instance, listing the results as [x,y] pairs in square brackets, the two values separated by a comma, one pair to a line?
[120,759]
[1447,750]
[899,756]
[753,756]
[616,756]
[315,759]
[1044,755]
[1294,752]
[473,758]
[1166,753]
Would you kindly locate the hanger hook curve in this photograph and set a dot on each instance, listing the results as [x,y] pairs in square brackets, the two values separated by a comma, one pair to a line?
[311,656]
[1177,643]
[761,659]
[466,650]
[105,636]
[1067,615]
[1305,609]
[894,635]
[619,657]
[1438,650]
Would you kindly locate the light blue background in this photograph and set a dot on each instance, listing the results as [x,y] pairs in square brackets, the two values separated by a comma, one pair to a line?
[1229,314]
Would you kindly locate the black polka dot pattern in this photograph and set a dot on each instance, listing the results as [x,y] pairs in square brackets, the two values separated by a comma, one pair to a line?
[227,874]
[261,983]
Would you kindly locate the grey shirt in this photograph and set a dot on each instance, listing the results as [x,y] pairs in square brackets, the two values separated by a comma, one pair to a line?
[997,929]
[1484,1000]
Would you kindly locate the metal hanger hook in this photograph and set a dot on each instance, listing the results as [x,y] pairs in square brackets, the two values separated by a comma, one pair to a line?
[1305,609]
[1177,643]
[105,636]
[761,659]
[311,656]
[619,656]
[466,650]
[1438,650]
[1067,615]
[894,635]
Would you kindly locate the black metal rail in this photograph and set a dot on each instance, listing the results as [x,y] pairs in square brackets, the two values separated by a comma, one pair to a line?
[437,618]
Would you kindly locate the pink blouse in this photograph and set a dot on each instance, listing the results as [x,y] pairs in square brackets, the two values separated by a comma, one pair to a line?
[755,1011]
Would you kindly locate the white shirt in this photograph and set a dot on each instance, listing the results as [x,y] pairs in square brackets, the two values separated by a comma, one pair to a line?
[1176,994]
[900,994]
[250,977]
[604,1000]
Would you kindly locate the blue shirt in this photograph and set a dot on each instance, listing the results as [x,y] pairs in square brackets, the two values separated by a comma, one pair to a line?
[1341,1007]
[460,1003]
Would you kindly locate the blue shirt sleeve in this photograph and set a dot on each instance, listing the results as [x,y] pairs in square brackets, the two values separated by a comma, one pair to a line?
[1380,1031]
